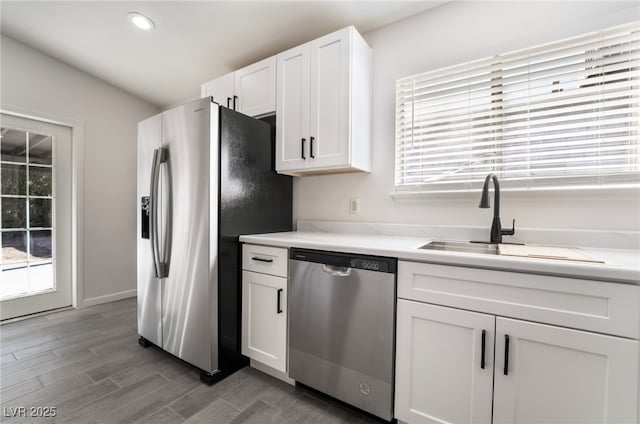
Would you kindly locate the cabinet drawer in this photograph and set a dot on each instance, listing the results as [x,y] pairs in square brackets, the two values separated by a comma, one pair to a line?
[265,259]
[598,306]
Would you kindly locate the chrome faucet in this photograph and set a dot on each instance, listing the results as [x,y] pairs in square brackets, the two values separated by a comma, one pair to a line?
[496,228]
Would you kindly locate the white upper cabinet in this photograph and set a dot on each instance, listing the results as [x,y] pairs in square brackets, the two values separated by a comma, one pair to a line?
[329,109]
[323,107]
[292,116]
[255,88]
[221,89]
[250,90]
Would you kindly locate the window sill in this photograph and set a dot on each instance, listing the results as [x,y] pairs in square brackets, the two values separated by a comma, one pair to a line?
[631,191]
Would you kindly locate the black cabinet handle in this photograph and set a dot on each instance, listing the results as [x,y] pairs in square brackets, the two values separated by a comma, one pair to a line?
[302,148]
[484,342]
[506,354]
[234,101]
[311,147]
[261,259]
[228,102]
[279,309]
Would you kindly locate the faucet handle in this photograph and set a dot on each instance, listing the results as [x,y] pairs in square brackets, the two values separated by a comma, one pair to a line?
[511,231]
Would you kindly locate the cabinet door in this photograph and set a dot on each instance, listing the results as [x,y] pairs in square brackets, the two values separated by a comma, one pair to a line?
[439,365]
[255,88]
[292,104]
[264,319]
[561,375]
[330,90]
[221,89]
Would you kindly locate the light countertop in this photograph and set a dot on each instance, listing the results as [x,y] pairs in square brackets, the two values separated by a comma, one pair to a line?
[620,265]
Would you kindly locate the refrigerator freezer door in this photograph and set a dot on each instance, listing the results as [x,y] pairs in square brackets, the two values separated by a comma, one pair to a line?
[149,287]
[253,199]
[190,182]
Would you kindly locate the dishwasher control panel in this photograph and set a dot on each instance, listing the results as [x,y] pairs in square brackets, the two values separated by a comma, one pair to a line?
[369,263]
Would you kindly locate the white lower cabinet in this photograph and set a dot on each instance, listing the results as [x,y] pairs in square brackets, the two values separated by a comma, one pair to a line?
[559,375]
[264,319]
[542,373]
[439,374]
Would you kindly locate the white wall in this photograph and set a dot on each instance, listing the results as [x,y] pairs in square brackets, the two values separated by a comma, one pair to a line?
[454,33]
[40,85]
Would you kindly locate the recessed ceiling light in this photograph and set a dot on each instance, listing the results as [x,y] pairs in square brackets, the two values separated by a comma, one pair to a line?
[141,21]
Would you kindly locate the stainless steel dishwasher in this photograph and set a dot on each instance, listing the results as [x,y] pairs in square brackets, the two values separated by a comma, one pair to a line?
[342,326]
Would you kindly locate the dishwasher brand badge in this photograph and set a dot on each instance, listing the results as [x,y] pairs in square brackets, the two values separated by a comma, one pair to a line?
[365,389]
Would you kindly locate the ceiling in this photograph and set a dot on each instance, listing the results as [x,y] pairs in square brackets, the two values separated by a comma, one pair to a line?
[193,41]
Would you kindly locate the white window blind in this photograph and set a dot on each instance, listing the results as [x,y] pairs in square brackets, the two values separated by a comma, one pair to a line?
[560,114]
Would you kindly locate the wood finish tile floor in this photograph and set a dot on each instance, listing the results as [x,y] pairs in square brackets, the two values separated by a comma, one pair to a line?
[88,365]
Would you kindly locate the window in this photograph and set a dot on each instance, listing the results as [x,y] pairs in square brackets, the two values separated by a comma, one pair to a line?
[27,197]
[564,114]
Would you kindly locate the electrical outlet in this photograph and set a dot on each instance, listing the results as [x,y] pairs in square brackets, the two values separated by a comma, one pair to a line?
[354,206]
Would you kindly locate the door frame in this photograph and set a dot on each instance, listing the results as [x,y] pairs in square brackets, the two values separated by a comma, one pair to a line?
[77,191]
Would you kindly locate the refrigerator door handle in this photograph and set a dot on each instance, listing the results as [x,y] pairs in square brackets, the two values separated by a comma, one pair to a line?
[153,212]
[159,156]
[166,252]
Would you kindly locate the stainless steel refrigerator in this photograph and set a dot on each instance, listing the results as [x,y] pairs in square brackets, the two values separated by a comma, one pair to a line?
[205,176]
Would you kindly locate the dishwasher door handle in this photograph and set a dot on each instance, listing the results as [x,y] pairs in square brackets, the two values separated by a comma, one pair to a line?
[337,271]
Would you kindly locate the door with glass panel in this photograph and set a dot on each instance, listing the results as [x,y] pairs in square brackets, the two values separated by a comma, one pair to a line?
[35,198]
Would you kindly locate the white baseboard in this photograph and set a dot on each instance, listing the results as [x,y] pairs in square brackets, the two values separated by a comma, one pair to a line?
[37,314]
[270,371]
[91,301]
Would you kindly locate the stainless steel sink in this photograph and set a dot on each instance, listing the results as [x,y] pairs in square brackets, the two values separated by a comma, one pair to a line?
[461,246]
